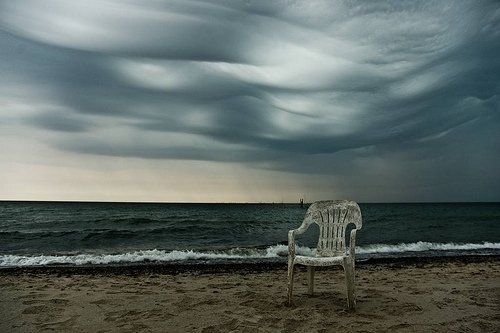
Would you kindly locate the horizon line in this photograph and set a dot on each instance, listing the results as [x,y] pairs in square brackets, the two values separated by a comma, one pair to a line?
[237,203]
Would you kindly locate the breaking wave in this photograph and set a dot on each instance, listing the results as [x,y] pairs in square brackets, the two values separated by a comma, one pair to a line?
[271,252]
[425,246]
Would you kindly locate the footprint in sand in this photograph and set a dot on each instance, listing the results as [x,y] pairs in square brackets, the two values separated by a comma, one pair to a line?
[36,309]
[42,305]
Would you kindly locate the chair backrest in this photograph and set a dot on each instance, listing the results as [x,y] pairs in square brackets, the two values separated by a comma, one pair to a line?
[332,217]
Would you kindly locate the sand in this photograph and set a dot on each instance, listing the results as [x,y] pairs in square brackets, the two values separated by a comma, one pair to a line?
[446,295]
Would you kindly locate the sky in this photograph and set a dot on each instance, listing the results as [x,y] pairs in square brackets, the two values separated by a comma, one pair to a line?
[249,101]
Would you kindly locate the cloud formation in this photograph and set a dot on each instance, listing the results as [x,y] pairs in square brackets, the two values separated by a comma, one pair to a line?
[341,85]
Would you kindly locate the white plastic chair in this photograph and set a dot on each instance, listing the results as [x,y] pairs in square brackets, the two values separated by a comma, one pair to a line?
[332,217]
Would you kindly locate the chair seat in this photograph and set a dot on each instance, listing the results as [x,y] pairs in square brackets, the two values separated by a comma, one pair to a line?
[319,261]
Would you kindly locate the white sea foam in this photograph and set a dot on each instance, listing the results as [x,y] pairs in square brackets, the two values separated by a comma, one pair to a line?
[275,251]
[424,246]
[149,255]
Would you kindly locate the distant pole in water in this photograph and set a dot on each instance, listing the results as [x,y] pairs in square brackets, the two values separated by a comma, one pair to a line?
[301,203]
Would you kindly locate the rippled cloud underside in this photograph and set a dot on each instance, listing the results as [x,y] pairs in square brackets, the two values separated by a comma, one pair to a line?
[371,98]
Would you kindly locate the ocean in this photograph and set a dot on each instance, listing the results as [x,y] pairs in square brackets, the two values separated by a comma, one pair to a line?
[78,233]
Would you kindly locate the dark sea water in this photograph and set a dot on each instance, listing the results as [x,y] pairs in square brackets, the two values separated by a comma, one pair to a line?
[41,233]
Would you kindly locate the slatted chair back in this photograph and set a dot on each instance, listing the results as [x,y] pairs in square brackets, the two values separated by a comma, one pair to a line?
[332,217]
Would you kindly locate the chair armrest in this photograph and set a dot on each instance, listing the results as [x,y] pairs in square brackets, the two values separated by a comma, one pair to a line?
[291,237]
[352,244]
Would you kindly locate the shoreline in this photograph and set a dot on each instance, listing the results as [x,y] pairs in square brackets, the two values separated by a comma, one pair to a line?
[134,269]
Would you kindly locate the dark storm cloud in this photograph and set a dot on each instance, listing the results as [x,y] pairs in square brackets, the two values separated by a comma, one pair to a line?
[59,122]
[268,83]
[174,29]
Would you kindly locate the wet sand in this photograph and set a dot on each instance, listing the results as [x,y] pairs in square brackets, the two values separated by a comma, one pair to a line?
[407,295]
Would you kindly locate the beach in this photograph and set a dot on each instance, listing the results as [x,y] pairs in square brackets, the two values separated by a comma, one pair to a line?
[457,294]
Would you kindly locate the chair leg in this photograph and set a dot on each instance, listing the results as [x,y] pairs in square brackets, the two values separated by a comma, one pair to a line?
[290,282]
[349,279]
[310,279]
